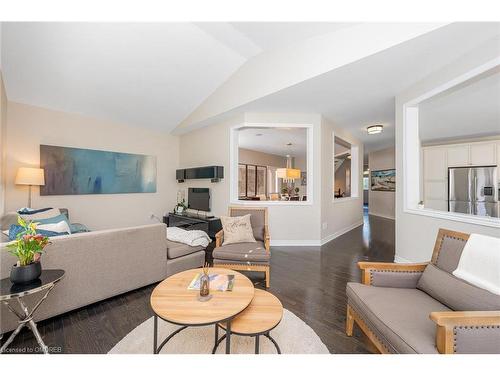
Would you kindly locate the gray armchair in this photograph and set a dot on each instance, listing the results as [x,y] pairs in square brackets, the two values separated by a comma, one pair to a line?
[424,308]
[251,256]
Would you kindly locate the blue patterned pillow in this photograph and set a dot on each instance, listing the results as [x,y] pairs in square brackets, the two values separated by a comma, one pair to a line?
[14,230]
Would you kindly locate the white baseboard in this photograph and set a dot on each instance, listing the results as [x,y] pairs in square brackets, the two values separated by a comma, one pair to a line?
[340,232]
[398,259]
[380,215]
[316,242]
[295,243]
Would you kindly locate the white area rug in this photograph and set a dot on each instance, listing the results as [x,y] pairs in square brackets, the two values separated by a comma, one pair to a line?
[292,335]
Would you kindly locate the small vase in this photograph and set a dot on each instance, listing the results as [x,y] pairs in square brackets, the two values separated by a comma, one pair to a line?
[25,274]
[204,288]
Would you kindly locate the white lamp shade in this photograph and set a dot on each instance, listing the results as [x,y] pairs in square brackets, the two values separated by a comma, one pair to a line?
[288,173]
[30,176]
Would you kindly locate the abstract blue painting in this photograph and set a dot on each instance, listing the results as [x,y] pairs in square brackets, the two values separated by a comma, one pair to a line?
[70,171]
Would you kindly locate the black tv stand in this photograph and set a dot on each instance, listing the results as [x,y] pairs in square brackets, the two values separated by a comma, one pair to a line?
[209,224]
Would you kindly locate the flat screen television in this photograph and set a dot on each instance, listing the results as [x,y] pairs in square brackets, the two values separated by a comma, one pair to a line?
[199,199]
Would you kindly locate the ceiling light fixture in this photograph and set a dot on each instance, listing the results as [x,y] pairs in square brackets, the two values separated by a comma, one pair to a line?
[375,129]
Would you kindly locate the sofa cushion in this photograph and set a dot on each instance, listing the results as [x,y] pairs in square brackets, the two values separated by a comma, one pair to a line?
[456,293]
[177,249]
[243,252]
[399,317]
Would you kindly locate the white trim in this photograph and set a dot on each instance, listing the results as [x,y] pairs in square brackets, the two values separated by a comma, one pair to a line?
[412,149]
[455,216]
[380,215]
[340,232]
[345,199]
[354,150]
[278,243]
[398,259]
[234,160]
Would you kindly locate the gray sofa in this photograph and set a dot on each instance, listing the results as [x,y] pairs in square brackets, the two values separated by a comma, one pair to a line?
[103,264]
[424,308]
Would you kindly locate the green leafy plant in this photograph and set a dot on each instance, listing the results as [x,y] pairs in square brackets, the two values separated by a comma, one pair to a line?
[28,245]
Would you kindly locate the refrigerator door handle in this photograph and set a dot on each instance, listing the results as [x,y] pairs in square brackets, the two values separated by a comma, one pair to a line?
[474,195]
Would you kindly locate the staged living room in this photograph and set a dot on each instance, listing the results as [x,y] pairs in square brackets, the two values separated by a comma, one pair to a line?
[201,198]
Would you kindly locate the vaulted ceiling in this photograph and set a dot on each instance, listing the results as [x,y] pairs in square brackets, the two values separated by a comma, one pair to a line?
[180,76]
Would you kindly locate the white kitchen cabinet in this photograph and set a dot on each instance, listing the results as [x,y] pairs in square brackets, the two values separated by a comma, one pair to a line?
[483,154]
[435,164]
[458,156]
[436,190]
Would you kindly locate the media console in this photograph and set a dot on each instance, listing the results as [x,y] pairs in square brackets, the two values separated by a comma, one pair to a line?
[210,225]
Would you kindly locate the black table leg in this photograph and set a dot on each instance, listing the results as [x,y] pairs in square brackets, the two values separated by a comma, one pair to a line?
[155,334]
[257,344]
[216,334]
[228,337]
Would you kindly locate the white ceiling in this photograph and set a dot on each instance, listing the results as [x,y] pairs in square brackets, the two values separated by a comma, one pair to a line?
[274,140]
[473,110]
[143,74]
[147,74]
[272,35]
[154,75]
[362,93]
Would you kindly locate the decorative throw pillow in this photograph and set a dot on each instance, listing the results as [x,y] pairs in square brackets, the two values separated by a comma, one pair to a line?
[60,227]
[53,212]
[237,229]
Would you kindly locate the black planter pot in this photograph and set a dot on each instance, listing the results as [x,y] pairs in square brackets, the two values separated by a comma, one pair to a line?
[25,274]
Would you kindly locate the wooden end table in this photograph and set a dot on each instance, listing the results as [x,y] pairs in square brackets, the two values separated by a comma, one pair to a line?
[174,303]
[48,279]
[262,315]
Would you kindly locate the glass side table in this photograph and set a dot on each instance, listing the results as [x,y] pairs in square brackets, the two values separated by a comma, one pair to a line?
[9,292]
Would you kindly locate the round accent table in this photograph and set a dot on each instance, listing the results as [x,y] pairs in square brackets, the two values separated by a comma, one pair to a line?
[8,292]
[259,318]
[173,302]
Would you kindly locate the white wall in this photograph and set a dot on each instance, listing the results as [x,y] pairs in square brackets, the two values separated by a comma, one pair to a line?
[3,129]
[339,216]
[247,156]
[382,203]
[416,234]
[289,224]
[28,127]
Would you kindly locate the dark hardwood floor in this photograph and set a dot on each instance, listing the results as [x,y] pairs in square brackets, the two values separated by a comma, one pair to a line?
[309,281]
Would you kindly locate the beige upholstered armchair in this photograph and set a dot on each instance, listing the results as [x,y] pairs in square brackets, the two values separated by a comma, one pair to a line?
[249,256]
[424,308]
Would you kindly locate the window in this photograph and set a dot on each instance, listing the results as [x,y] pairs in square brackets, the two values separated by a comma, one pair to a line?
[345,169]
[271,163]
[446,160]
[252,180]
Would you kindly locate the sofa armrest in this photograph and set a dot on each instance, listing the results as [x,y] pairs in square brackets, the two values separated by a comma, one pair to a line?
[267,238]
[396,275]
[219,238]
[467,331]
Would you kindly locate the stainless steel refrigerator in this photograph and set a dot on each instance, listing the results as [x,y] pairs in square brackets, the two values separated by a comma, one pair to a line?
[473,191]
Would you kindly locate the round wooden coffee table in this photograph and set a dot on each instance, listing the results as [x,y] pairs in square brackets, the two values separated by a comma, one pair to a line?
[262,315]
[174,303]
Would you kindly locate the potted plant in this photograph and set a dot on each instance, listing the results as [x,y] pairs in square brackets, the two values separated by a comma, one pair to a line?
[28,248]
[180,207]
[297,191]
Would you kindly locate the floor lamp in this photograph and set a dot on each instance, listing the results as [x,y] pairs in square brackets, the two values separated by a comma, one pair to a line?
[30,177]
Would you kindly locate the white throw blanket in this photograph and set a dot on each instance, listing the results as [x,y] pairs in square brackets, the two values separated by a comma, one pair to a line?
[188,237]
[479,263]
